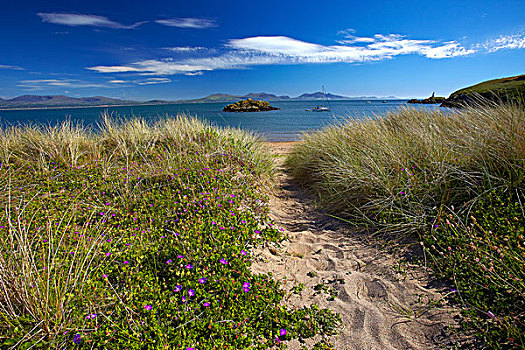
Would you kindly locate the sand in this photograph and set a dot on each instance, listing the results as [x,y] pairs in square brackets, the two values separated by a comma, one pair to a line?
[385,303]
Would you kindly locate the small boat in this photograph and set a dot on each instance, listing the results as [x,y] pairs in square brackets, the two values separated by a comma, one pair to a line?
[384,101]
[321,108]
[368,102]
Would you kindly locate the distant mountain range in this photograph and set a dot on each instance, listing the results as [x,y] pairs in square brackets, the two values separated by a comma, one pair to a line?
[28,101]
[53,101]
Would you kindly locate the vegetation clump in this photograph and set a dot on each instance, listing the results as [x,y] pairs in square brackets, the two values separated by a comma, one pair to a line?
[139,237]
[249,105]
[454,180]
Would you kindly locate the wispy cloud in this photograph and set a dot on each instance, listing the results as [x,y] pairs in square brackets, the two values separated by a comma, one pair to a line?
[283,50]
[75,20]
[165,66]
[5,66]
[185,48]
[154,81]
[42,84]
[195,23]
[505,42]
[376,48]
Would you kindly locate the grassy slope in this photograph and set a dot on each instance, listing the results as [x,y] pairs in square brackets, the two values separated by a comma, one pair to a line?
[511,89]
[139,238]
[454,180]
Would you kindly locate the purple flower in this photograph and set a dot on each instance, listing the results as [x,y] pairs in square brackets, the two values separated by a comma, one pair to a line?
[282,332]
[126,262]
[223,261]
[147,307]
[246,287]
[189,266]
[202,280]
[243,253]
[77,338]
[191,293]
[91,316]
[190,349]
[169,261]
[180,256]
[206,304]
[177,288]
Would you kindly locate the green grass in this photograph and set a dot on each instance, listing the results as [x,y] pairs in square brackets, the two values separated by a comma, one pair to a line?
[436,176]
[508,90]
[139,237]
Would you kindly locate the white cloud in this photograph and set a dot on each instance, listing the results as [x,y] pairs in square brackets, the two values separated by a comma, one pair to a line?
[376,48]
[193,74]
[114,69]
[152,67]
[75,20]
[117,81]
[41,84]
[5,66]
[194,23]
[505,42]
[272,50]
[279,45]
[449,49]
[185,48]
[154,81]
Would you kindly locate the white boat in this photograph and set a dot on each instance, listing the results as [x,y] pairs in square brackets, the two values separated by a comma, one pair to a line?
[321,108]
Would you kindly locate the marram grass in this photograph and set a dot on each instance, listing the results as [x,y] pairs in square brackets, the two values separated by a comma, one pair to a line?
[139,236]
[454,180]
[410,163]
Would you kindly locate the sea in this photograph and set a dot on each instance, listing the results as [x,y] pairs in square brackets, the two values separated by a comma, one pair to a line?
[288,123]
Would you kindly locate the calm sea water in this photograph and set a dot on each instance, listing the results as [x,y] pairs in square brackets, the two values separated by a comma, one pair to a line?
[286,124]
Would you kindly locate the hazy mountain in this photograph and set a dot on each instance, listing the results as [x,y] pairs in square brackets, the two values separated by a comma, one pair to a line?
[36,101]
[60,100]
[320,96]
[265,96]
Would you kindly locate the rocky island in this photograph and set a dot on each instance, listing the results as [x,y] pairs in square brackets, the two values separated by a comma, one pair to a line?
[249,105]
[430,100]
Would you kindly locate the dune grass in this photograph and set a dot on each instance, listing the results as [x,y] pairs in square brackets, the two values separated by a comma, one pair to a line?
[139,236]
[453,179]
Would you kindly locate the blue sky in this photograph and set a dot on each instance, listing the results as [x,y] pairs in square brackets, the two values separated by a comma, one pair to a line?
[176,50]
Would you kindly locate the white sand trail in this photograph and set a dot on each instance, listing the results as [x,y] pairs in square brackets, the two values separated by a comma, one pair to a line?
[384,304]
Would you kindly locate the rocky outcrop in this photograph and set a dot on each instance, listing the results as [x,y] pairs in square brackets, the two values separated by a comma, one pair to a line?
[431,100]
[249,105]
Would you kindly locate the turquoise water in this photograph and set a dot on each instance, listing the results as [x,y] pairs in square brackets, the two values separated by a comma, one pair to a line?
[286,124]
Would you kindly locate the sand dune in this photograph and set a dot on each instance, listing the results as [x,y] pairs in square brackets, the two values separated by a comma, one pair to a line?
[384,304]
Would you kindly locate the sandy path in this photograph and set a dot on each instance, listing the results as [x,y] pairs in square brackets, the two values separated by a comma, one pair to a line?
[383,304]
